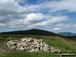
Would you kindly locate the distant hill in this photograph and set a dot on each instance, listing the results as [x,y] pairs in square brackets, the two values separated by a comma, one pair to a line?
[32,32]
[35,32]
[67,33]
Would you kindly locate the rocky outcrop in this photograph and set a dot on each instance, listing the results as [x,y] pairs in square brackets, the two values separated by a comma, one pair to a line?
[31,45]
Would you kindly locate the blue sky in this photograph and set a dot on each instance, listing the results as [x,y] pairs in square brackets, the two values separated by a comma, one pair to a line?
[51,15]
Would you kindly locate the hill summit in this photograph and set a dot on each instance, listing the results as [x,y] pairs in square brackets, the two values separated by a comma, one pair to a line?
[32,32]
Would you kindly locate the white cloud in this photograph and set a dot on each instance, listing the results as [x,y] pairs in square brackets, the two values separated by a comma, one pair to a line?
[14,15]
[56,19]
[74,26]
[69,5]
[29,19]
[16,23]
[10,6]
[1,25]
[61,26]
[9,10]
[33,18]
[53,20]
[53,6]
[57,29]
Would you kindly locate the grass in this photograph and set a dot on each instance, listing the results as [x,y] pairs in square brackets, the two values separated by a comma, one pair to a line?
[28,54]
[65,45]
[61,43]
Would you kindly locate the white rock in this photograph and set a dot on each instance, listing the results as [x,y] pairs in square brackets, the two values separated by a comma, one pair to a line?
[31,45]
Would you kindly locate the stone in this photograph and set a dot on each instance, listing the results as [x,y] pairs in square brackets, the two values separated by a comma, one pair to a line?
[22,48]
[46,48]
[57,51]
[31,45]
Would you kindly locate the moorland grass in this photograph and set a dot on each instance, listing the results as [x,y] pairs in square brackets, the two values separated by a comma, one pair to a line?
[65,45]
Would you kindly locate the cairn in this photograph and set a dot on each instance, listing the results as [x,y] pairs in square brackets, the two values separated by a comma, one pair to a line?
[31,45]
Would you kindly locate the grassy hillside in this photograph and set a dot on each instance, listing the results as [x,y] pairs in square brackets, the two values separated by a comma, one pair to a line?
[64,43]
[32,32]
[37,32]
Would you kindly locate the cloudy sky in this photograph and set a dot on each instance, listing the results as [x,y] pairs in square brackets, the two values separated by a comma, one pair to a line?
[51,15]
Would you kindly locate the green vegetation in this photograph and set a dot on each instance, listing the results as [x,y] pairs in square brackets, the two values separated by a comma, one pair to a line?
[64,43]
[27,54]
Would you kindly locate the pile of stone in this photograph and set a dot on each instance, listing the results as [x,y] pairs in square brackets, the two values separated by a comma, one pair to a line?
[31,45]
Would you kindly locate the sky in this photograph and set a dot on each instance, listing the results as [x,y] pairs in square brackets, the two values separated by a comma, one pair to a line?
[51,15]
